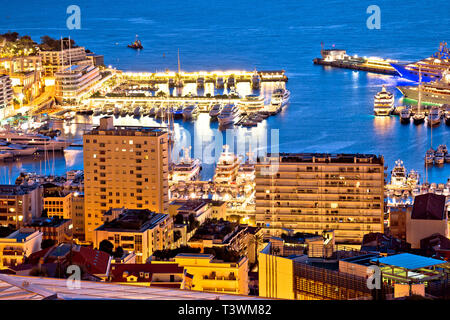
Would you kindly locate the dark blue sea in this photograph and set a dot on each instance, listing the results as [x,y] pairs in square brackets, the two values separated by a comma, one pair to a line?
[330,109]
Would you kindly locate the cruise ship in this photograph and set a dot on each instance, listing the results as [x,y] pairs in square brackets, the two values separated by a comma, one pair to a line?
[432,67]
[227,167]
[251,104]
[40,142]
[383,103]
[229,115]
[435,92]
[187,169]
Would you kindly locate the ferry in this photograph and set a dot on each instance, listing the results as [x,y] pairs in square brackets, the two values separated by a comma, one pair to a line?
[229,115]
[251,103]
[227,167]
[187,169]
[432,67]
[383,103]
[434,117]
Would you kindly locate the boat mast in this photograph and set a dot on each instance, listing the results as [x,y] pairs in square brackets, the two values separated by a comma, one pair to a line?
[419,101]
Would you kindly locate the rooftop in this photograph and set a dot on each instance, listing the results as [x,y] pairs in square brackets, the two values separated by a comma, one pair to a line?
[47,222]
[134,220]
[328,158]
[34,288]
[16,190]
[408,261]
[429,206]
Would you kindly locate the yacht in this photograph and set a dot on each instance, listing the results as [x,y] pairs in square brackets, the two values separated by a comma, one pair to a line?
[17,150]
[190,112]
[398,175]
[187,169]
[383,103]
[280,96]
[215,111]
[434,117]
[429,156]
[137,112]
[41,142]
[405,115]
[152,112]
[251,104]
[437,92]
[413,178]
[442,148]
[229,115]
[178,111]
[227,167]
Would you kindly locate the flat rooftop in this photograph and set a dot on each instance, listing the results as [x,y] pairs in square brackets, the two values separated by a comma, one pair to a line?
[20,235]
[16,190]
[134,220]
[327,158]
[47,222]
[409,261]
[128,131]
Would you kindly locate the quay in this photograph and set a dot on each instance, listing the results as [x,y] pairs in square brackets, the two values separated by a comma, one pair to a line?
[339,59]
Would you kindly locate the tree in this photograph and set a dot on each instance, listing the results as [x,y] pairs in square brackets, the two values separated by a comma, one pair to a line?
[176,235]
[47,243]
[106,246]
[118,253]
[179,219]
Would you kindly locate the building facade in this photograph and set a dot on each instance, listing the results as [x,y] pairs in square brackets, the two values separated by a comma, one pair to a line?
[124,167]
[317,192]
[74,81]
[141,231]
[18,245]
[6,97]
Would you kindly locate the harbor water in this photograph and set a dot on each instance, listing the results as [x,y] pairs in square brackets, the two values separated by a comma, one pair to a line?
[330,110]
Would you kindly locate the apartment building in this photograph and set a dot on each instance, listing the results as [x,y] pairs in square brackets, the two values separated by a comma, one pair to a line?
[53,61]
[6,97]
[74,81]
[58,230]
[124,167]
[18,245]
[317,192]
[19,204]
[138,230]
[212,275]
[59,205]
[78,216]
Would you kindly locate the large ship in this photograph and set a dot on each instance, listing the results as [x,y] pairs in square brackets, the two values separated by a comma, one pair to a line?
[383,103]
[435,92]
[38,141]
[227,167]
[432,67]
[229,115]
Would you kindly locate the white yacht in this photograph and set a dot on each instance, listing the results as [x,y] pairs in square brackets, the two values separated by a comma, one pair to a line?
[227,167]
[434,117]
[383,103]
[413,178]
[41,142]
[229,115]
[251,103]
[280,96]
[187,169]
[398,175]
[17,150]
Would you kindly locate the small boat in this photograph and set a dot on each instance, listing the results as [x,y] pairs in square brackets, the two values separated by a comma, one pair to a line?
[152,112]
[229,115]
[137,45]
[439,158]
[116,111]
[405,115]
[177,111]
[137,112]
[447,158]
[215,111]
[124,113]
[418,118]
[442,148]
[249,123]
[189,112]
[429,156]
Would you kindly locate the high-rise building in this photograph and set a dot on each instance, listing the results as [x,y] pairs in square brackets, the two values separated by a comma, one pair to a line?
[124,167]
[75,81]
[54,60]
[6,96]
[317,192]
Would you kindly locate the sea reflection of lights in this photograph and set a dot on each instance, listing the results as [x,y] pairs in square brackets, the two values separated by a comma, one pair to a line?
[384,125]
